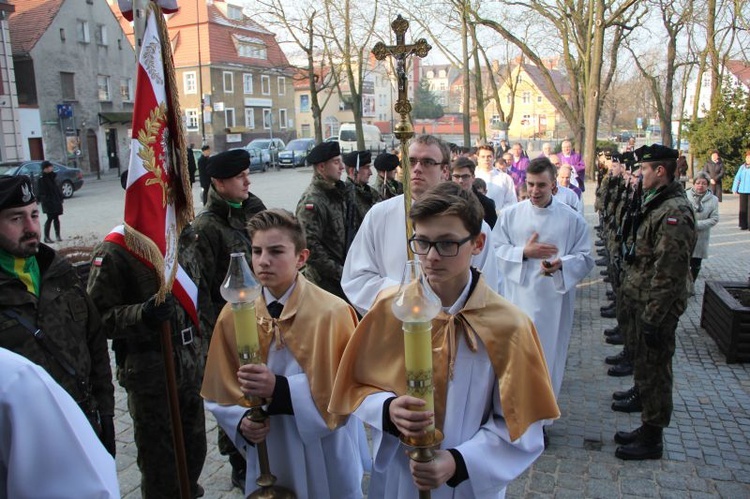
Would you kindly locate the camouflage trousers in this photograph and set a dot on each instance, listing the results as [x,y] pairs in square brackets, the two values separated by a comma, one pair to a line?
[652,371]
[143,377]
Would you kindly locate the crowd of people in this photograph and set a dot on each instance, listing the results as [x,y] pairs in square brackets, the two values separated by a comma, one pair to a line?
[502,242]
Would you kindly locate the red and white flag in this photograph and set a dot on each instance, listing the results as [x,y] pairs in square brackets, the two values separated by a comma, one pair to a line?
[126,7]
[158,197]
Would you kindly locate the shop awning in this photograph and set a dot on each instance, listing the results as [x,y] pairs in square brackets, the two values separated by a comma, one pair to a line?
[113,118]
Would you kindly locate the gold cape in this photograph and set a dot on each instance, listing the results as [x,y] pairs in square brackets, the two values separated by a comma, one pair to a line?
[374,358]
[315,326]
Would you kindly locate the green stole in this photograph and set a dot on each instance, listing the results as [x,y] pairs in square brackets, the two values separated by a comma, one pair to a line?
[24,269]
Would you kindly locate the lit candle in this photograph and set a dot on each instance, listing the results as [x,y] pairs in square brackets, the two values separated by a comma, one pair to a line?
[418,360]
[246,333]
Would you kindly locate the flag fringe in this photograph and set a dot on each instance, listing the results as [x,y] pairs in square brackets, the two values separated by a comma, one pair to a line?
[143,247]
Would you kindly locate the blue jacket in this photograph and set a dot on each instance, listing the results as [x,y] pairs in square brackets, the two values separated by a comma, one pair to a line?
[742,180]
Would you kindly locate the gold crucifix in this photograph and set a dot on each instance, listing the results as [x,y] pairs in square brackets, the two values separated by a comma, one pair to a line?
[403,130]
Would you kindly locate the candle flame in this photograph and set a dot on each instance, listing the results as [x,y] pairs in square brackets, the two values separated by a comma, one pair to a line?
[416,309]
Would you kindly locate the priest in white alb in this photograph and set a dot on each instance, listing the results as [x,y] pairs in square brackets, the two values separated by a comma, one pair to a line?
[377,255]
[543,248]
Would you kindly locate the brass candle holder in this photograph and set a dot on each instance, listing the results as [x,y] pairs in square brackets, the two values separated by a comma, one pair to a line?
[416,304]
[240,288]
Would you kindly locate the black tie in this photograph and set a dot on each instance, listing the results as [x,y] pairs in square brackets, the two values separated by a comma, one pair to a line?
[274,309]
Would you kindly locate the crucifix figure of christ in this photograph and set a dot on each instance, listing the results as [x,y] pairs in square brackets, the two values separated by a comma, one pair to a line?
[403,130]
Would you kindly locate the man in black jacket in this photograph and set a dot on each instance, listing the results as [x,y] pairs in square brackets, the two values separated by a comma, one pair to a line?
[462,172]
[203,176]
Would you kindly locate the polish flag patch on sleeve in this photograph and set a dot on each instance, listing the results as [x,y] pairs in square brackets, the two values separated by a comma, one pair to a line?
[309,206]
[98,261]
[671,221]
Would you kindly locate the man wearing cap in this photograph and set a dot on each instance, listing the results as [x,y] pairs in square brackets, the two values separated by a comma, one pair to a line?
[386,183]
[655,285]
[218,231]
[324,210]
[45,313]
[358,173]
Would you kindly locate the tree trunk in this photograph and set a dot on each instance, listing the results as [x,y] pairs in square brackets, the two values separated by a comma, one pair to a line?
[479,90]
[593,95]
[466,94]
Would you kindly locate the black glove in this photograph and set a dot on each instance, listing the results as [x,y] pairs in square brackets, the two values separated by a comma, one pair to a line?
[154,315]
[108,434]
[651,336]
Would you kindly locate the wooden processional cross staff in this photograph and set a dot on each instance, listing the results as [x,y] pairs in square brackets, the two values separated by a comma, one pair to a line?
[404,129]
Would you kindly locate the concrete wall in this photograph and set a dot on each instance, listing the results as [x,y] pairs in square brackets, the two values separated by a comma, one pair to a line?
[30,126]
[10,135]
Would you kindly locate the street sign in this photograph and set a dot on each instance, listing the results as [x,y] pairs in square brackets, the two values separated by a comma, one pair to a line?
[639,123]
[65,110]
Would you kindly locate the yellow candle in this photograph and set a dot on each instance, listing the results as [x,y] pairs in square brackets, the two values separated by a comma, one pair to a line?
[246,333]
[418,360]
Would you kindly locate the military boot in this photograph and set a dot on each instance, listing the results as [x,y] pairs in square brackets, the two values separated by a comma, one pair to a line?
[608,306]
[602,262]
[609,313]
[601,252]
[614,360]
[646,445]
[624,394]
[612,331]
[615,339]
[611,295]
[624,368]
[630,404]
[599,243]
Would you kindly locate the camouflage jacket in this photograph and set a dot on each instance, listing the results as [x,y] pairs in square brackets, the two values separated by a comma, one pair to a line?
[71,326]
[364,198]
[324,211]
[220,230]
[388,189]
[656,278]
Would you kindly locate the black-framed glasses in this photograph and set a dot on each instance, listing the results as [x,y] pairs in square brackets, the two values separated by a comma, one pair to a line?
[444,248]
[428,162]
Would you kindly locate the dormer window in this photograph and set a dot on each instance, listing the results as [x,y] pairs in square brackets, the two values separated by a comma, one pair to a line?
[253,48]
[234,12]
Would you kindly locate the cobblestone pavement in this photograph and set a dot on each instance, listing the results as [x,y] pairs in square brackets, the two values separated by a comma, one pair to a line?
[707,453]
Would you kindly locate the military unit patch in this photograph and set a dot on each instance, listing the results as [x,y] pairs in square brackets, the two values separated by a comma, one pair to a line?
[309,207]
[671,221]
[98,261]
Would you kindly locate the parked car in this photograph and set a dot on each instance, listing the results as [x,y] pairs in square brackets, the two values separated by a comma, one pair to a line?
[623,136]
[69,179]
[296,153]
[269,149]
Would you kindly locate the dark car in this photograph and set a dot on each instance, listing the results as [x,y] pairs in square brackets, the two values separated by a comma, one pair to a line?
[295,153]
[68,178]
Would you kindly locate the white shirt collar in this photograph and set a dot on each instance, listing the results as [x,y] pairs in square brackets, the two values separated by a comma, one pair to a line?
[461,301]
[269,297]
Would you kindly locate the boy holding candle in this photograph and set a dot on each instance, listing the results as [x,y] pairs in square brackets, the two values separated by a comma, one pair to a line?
[303,331]
[491,386]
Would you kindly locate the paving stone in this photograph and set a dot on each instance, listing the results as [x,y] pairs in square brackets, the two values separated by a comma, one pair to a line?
[604,489]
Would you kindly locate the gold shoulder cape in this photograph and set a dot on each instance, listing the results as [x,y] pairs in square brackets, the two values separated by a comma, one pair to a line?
[315,326]
[374,358]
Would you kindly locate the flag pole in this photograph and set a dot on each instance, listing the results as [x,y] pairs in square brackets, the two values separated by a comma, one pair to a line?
[140,8]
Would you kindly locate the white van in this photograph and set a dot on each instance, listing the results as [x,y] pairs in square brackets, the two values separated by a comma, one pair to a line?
[348,138]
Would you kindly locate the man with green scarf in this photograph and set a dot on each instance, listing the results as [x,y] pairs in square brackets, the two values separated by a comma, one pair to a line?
[46,314]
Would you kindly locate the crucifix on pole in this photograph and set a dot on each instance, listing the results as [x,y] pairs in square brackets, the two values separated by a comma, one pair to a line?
[404,129]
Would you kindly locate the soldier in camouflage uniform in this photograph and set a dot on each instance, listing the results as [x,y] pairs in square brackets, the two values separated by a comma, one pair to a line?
[40,292]
[324,210]
[358,173]
[217,232]
[385,183]
[656,267]
[123,289]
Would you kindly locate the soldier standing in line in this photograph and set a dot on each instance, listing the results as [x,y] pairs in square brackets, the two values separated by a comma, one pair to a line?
[324,210]
[203,177]
[358,173]
[386,183]
[218,231]
[657,263]
[45,313]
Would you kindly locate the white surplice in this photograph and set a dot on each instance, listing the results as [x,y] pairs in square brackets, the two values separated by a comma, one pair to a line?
[477,430]
[500,187]
[303,453]
[549,301]
[377,256]
[569,197]
[47,446]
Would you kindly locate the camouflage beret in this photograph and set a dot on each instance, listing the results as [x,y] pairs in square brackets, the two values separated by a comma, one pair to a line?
[16,191]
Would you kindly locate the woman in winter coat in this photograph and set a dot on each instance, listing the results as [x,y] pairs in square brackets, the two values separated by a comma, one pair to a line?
[741,185]
[51,197]
[706,208]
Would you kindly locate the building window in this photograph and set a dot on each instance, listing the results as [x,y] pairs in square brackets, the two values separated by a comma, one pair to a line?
[82,31]
[191,119]
[539,99]
[102,83]
[282,118]
[249,118]
[265,85]
[68,86]
[189,82]
[101,34]
[247,83]
[305,131]
[526,97]
[228,82]
[234,12]
[251,49]
[62,35]
[126,89]
[267,119]
[304,103]
[281,82]
[229,116]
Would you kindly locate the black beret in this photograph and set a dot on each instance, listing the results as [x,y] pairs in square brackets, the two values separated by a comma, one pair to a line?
[386,162]
[323,152]
[365,158]
[229,163]
[15,192]
[655,152]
